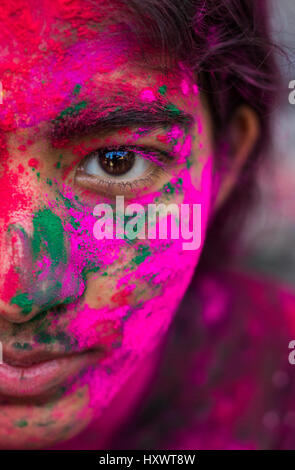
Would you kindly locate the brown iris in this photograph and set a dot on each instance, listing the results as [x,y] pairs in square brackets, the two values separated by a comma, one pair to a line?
[116,162]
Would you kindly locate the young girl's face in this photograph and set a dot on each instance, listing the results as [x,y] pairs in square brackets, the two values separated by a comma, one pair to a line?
[85,117]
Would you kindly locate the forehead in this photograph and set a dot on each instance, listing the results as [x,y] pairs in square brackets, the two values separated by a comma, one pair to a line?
[54,54]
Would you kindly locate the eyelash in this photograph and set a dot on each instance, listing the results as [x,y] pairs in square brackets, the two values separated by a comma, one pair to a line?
[160,160]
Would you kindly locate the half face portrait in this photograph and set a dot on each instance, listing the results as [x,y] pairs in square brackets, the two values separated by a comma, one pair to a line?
[130,133]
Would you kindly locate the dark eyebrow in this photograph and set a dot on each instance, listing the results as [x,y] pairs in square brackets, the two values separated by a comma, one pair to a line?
[82,119]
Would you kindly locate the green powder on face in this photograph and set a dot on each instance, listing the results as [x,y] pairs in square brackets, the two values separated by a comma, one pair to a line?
[179,183]
[189,163]
[143,253]
[74,223]
[49,235]
[172,188]
[58,164]
[169,188]
[44,338]
[172,109]
[22,423]
[68,203]
[163,90]
[91,267]
[72,110]
[77,89]
[23,302]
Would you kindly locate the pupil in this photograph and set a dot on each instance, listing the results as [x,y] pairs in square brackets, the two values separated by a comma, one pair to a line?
[116,162]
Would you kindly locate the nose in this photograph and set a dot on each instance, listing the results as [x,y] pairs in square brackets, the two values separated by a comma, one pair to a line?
[34,268]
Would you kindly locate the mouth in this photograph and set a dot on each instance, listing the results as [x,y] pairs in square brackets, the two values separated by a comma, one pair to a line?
[33,377]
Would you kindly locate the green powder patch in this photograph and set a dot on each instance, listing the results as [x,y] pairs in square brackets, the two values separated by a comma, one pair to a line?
[58,164]
[68,203]
[74,223]
[23,301]
[49,235]
[142,255]
[77,89]
[172,188]
[44,338]
[189,163]
[173,109]
[163,90]
[22,423]
[72,110]
[91,267]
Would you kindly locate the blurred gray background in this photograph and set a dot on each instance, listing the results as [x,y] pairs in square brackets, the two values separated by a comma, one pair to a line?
[269,241]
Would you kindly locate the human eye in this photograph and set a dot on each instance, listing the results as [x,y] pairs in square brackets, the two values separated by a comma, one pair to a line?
[122,170]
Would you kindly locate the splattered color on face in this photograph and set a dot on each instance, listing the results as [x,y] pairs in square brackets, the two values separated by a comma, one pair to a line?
[75,87]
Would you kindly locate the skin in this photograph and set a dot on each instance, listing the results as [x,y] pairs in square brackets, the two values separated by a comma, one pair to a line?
[63,291]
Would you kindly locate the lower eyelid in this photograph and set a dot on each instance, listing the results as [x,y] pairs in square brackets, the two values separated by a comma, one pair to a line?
[160,164]
[108,187]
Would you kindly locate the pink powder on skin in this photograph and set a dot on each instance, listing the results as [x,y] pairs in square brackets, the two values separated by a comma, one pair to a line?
[51,64]
[147,95]
[185,87]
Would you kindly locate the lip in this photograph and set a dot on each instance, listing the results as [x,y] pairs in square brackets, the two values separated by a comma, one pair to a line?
[36,378]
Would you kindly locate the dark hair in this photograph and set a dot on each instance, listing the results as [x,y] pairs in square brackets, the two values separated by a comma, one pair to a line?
[227,44]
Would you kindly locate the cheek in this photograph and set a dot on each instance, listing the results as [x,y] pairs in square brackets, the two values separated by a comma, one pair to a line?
[131,298]
[167,272]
